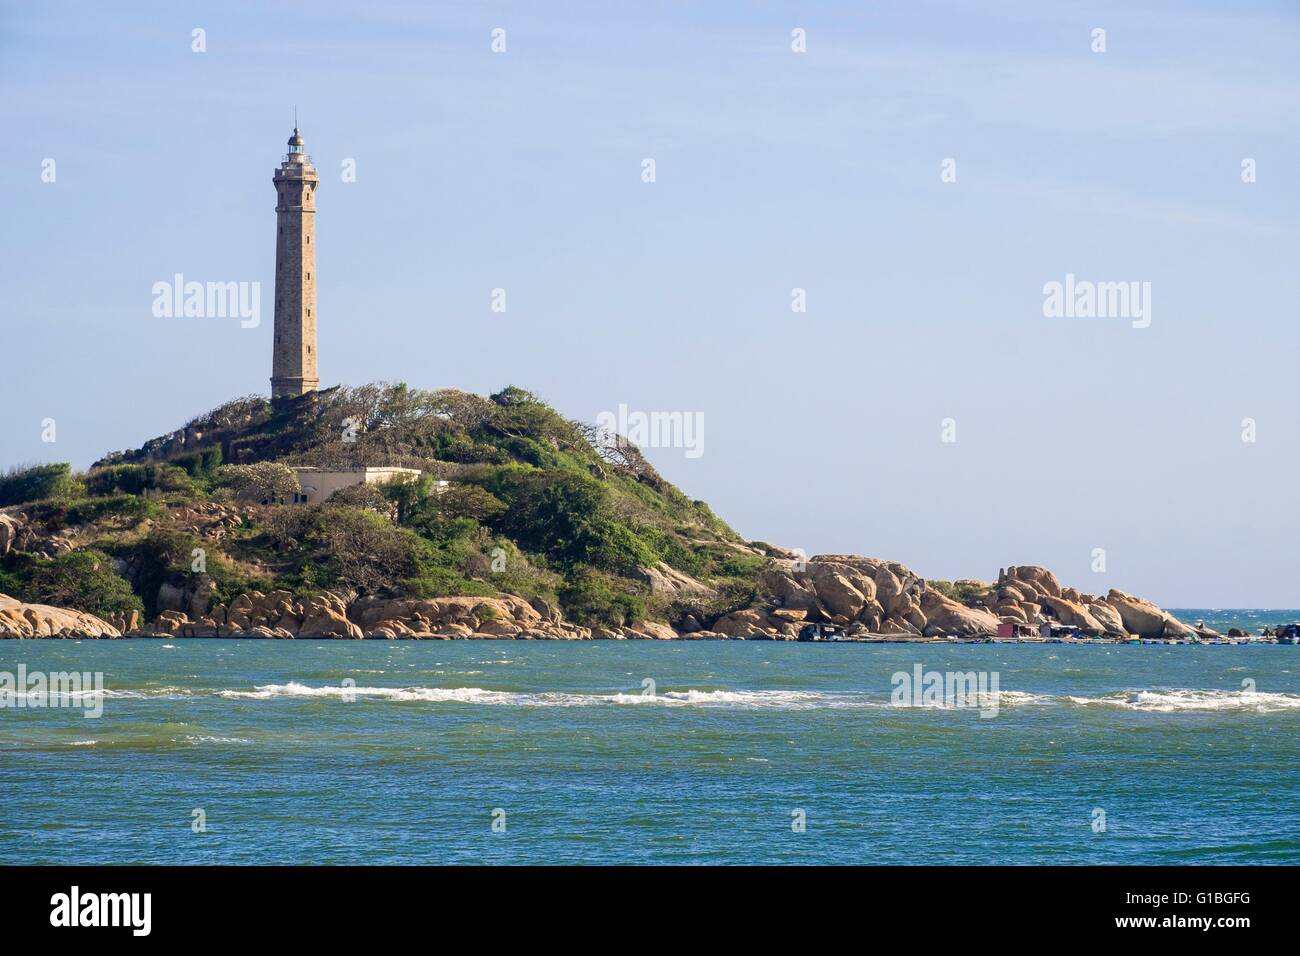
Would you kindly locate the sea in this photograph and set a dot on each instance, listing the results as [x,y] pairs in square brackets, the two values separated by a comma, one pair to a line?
[654,752]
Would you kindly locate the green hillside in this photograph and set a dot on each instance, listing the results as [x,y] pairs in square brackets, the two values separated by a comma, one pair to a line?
[536,505]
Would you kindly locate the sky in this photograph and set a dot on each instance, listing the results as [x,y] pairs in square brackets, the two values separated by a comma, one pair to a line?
[922,407]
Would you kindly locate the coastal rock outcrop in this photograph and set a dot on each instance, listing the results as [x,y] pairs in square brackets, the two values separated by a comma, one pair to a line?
[9,528]
[342,617]
[665,579]
[863,598]
[1072,614]
[326,615]
[862,595]
[871,598]
[946,617]
[19,620]
[1144,618]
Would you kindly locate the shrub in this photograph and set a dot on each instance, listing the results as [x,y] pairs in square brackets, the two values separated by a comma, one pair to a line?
[443,582]
[590,599]
[84,580]
[742,566]
[37,483]
[504,567]
[86,510]
[567,517]
[116,479]
[961,591]
[137,479]
[200,464]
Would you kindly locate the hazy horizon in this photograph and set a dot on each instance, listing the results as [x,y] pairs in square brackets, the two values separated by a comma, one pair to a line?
[775,170]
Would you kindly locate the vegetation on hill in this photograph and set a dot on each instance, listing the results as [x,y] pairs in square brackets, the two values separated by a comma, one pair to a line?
[534,504]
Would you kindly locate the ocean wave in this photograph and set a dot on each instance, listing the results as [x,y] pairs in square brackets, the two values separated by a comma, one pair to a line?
[469,695]
[1173,701]
[1163,700]
[9,698]
[745,699]
[779,699]
[976,701]
[145,742]
[49,697]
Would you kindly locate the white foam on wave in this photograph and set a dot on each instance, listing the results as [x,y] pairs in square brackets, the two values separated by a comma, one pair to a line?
[1177,700]
[51,698]
[473,695]
[1001,698]
[781,699]
[778,699]
[1014,698]
[147,692]
[212,739]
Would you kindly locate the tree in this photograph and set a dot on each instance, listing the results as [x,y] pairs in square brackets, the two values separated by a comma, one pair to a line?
[362,549]
[466,501]
[84,580]
[367,497]
[264,481]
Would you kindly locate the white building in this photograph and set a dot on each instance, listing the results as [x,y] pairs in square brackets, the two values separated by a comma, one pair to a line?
[317,484]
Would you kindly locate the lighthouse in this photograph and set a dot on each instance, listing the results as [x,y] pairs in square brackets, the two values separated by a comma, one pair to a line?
[293,358]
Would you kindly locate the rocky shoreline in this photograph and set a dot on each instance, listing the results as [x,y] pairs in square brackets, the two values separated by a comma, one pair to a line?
[864,599]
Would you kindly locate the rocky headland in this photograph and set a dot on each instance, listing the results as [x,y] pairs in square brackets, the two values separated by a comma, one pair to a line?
[517,524]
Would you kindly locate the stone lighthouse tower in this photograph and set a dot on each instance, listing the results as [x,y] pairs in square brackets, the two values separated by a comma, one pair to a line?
[293,363]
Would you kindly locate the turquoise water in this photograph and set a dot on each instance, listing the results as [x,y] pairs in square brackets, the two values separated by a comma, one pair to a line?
[1187,765]
[1222,620]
